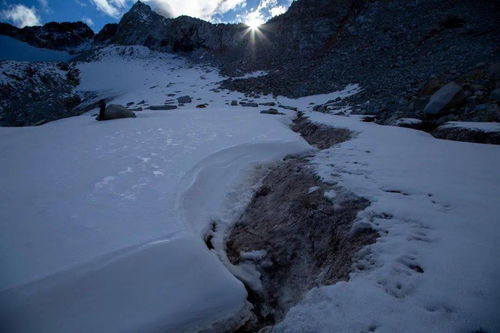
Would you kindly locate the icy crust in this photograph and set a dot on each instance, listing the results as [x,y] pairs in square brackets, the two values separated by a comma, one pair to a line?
[435,205]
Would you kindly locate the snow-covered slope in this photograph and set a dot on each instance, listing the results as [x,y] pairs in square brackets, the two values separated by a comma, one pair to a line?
[436,205]
[102,222]
[13,49]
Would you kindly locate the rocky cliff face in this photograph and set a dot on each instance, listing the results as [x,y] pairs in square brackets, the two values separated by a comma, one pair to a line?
[395,50]
[142,26]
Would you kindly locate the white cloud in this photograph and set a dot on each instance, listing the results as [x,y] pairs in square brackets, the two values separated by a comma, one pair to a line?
[264,11]
[44,5]
[81,3]
[204,9]
[88,21]
[113,8]
[278,10]
[21,16]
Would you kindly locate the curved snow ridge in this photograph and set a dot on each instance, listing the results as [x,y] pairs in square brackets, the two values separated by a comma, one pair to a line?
[208,186]
[141,287]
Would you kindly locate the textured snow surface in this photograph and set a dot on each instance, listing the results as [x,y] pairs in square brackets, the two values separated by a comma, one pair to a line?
[13,49]
[436,205]
[101,223]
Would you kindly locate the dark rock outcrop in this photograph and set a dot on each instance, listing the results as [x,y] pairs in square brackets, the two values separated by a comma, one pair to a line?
[106,34]
[33,94]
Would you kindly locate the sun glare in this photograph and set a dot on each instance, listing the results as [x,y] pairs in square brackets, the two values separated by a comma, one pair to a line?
[254,24]
[254,21]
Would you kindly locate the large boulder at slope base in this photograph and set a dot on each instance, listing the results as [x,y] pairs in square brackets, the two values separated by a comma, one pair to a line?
[448,97]
[115,111]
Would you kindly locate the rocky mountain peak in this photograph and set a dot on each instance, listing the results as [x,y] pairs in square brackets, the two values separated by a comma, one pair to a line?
[140,9]
[140,26]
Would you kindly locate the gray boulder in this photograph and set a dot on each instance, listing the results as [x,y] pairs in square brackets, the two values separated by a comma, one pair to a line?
[162,107]
[249,104]
[115,111]
[268,104]
[286,107]
[184,99]
[446,98]
[271,111]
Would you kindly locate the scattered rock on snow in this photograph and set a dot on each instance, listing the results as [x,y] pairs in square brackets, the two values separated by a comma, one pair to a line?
[268,104]
[249,104]
[162,107]
[184,99]
[286,107]
[271,111]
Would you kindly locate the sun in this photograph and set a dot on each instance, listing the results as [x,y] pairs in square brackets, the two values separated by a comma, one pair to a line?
[254,20]
[254,24]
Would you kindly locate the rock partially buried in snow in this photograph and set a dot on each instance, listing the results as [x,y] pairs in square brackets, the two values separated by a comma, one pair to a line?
[184,99]
[115,111]
[249,104]
[408,122]
[271,111]
[268,104]
[478,132]
[162,107]
[446,98]
[286,107]
[234,103]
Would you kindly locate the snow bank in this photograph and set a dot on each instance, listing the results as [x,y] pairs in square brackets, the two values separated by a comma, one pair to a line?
[171,285]
[100,222]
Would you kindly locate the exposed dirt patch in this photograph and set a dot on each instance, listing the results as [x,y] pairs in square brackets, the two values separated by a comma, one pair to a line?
[318,135]
[296,237]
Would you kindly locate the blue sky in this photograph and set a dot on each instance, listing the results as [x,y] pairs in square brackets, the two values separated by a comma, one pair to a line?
[96,13]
